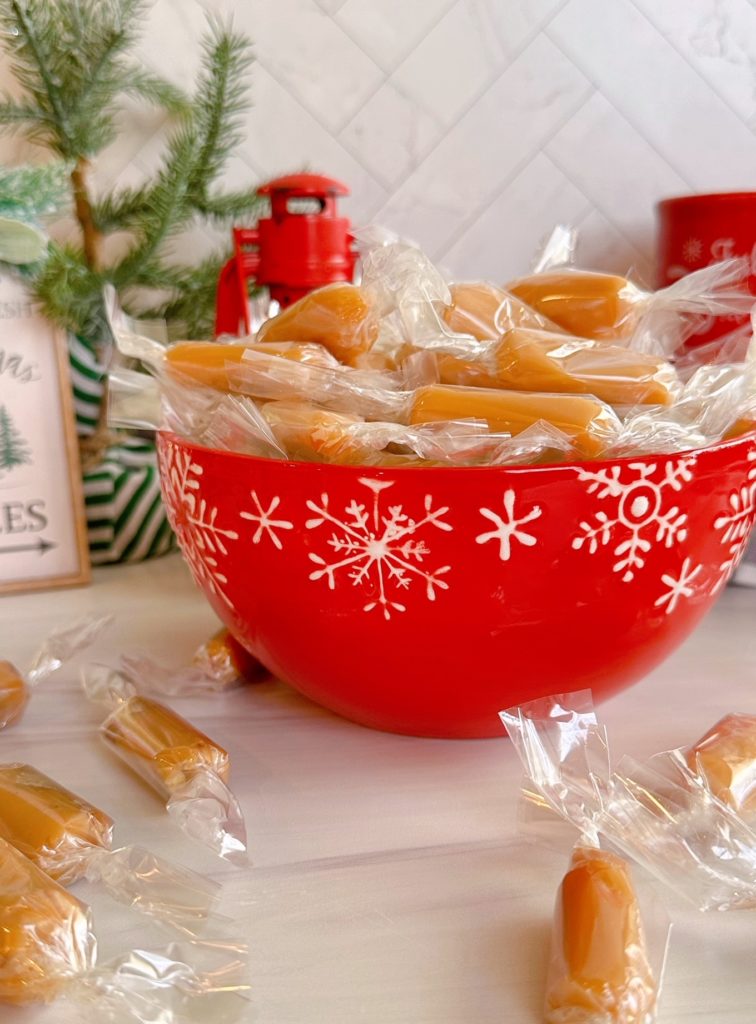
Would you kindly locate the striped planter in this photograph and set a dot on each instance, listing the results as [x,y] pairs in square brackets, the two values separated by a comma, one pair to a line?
[126,519]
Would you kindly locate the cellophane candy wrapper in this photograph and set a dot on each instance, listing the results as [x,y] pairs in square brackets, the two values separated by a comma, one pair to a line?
[48,949]
[660,814]
[60,647]
[68,838]
[725,759]
[602,967]
[183,765]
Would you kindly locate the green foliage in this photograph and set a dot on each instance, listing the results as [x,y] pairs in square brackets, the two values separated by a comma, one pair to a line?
[71,58]
[29,193]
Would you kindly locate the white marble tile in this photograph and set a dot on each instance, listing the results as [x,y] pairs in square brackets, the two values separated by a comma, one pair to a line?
[465,51]
[390,29]
[509,123]
[602,246]
[608,160]
[718,37]
[500,244]
[391,133]
[308,52]
[284,137]
[658,92]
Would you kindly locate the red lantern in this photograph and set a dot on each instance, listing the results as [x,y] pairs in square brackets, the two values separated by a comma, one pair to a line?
[303,245]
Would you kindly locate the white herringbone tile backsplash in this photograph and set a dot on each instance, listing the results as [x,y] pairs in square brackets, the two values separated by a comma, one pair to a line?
[472,126]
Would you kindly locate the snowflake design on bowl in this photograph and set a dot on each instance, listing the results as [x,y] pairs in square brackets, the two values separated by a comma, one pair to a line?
[267,526]
[378,547]
[678,587]
[692,250]
[202,540]
[735,524]
[508,529]
[639,519]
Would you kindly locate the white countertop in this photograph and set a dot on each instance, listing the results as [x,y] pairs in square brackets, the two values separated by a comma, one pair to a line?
[389,883]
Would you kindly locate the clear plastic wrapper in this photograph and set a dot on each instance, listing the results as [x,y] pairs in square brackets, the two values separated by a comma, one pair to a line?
[61,646]
[591,425]
[183,765]
[535,360]
[659,814]
[725,758]
[600,306]
[68,838]
[599,969]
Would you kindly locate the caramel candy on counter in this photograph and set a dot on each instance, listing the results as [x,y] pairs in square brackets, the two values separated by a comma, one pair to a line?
[48,824]
[590,424]
[160,745]
[45,933]
[339,317]
[583,302]
[726,759]
[534,360]
[486,312]
[224,658]
[14,694]
[599,969]
[310,433]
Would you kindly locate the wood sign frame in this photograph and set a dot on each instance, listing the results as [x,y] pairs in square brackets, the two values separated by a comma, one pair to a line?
[43,532]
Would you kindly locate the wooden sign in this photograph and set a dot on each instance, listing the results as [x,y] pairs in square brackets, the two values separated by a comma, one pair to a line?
[43,537]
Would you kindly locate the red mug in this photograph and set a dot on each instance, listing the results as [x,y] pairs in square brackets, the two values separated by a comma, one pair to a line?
[696,231]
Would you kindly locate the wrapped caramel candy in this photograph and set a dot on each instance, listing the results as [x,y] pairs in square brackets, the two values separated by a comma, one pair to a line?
[307,432]
[46,934]
[599,969]
[600,306]
[339,317]
[535,360]
[208,363]
[226,662]
[68,838]
[486,312]
[60,646]
[14,694]
[725,758]
[183,765]
[590,425]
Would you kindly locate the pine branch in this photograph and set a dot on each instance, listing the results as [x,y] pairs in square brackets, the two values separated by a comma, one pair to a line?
[121,210]
[146,85]
[15,115]
[221,98]
[226,206]
[191,312]
[70,293]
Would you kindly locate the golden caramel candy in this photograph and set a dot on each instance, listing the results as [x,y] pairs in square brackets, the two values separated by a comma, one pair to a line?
[726,759]
[486,312]
[533,360]
[45,932]
[599,969]
[207,363]
[14,694]
[48,824]
[583,302]
[589,424]
[160,745]
[740,427]
[224,658]
[310,433]
[339,317]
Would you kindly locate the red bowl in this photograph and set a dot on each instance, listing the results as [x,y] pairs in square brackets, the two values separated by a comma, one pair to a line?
[422,601]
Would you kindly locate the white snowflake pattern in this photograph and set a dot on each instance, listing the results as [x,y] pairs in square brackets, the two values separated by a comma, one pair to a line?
[736,524]
[679,587]
[202,541]
[508,530]
[265,525]
[378,547]
[692,250]
[639,519]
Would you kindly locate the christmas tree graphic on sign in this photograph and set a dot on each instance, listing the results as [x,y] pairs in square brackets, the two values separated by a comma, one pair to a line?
[13,449]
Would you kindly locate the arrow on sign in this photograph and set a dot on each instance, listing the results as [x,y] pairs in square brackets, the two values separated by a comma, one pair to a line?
[40,545]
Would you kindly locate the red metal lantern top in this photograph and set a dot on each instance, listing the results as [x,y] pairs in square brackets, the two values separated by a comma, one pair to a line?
[302,245]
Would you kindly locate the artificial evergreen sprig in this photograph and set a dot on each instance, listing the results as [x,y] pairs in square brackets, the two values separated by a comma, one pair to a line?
[72,61]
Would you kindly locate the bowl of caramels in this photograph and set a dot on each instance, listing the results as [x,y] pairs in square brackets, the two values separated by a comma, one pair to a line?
[417,503]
